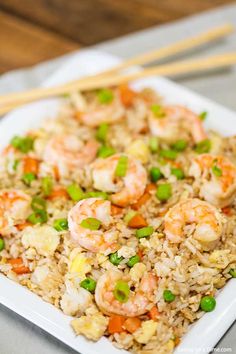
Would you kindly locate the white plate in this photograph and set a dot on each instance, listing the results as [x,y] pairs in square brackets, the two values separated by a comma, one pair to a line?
[205,333]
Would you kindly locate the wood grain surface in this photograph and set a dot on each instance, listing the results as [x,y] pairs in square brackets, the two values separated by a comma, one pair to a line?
[35,30]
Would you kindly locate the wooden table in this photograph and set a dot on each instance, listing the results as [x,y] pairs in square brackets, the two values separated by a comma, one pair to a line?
[36,30]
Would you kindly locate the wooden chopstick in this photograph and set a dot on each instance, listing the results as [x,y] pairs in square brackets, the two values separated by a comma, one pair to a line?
[173,49]
[181,67]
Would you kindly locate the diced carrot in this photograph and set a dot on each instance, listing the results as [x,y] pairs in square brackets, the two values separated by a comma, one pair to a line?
[56,173]
[145,197]
[22,226]
[115,324]
[140,253]
[132,324]
[30,165]
[127,95]
[137,221]
[18,266]
[78,115]
[175,164]
[115,210]
[58,193]
[227,210]
[177,341]
[151,187]
[153,313]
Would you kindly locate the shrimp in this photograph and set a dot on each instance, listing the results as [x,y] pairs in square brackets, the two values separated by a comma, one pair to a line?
[67,152]
[205,217]
[139,299]
[98,113]
[126,190]
[217,176]
[14,209]
[101,240]
[176,120]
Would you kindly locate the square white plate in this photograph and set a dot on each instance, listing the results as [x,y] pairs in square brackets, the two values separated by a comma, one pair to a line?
[205,333]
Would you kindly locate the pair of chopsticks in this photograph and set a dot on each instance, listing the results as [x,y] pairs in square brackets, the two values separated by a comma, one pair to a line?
[115,76]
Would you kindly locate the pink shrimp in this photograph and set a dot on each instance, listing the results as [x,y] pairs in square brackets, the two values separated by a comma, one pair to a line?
[126,190]
[67,152]
[14,209]
[174,121]
[217,177]
[100,240]
[138,301]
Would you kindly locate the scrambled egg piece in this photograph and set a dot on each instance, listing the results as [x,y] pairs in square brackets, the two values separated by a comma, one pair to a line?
[93,327]
[139,150]
[75,300]
[220,258]
[44,239]
[137,271]
[145,332]
[80,265]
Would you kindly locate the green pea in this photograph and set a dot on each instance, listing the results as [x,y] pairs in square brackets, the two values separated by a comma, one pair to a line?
[38,217]
[155,174]
[179,145]
[102,132]
[23,144]
[217,171]
[75,192]
[164,192]
[38,203]
[47,185]
[153,144]
[115,259]
[88,284]
[91,223]
[121,291]
[158,111]
[168,296]
[133,260]
[178,173]
[208,303]
[203,115]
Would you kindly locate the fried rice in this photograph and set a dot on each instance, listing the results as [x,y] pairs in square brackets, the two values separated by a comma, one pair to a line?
[39,252]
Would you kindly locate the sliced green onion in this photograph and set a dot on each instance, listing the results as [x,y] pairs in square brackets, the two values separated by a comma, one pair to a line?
[168,296]
[144,232]
[60,224]
[96,194]
[91,223]
[105,151]
[121,291]
[38,203]
[129,216]
[105,96]
[178,173]
[232,272]
[27,178]
[155,174]
[88,284]
[217,171]
[2,244]
[121,167]
[180,145]
[38,217]
[153,144]
[164,192]
[158,111]
[15,164]
[203,147]
[22,144]
[133,260]
[208,303]
[102,131]
[47,185]
[203,115]
[169,154]
[115,259]
[75,192]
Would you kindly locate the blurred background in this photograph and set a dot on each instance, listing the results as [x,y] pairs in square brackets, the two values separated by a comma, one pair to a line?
[35,30]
